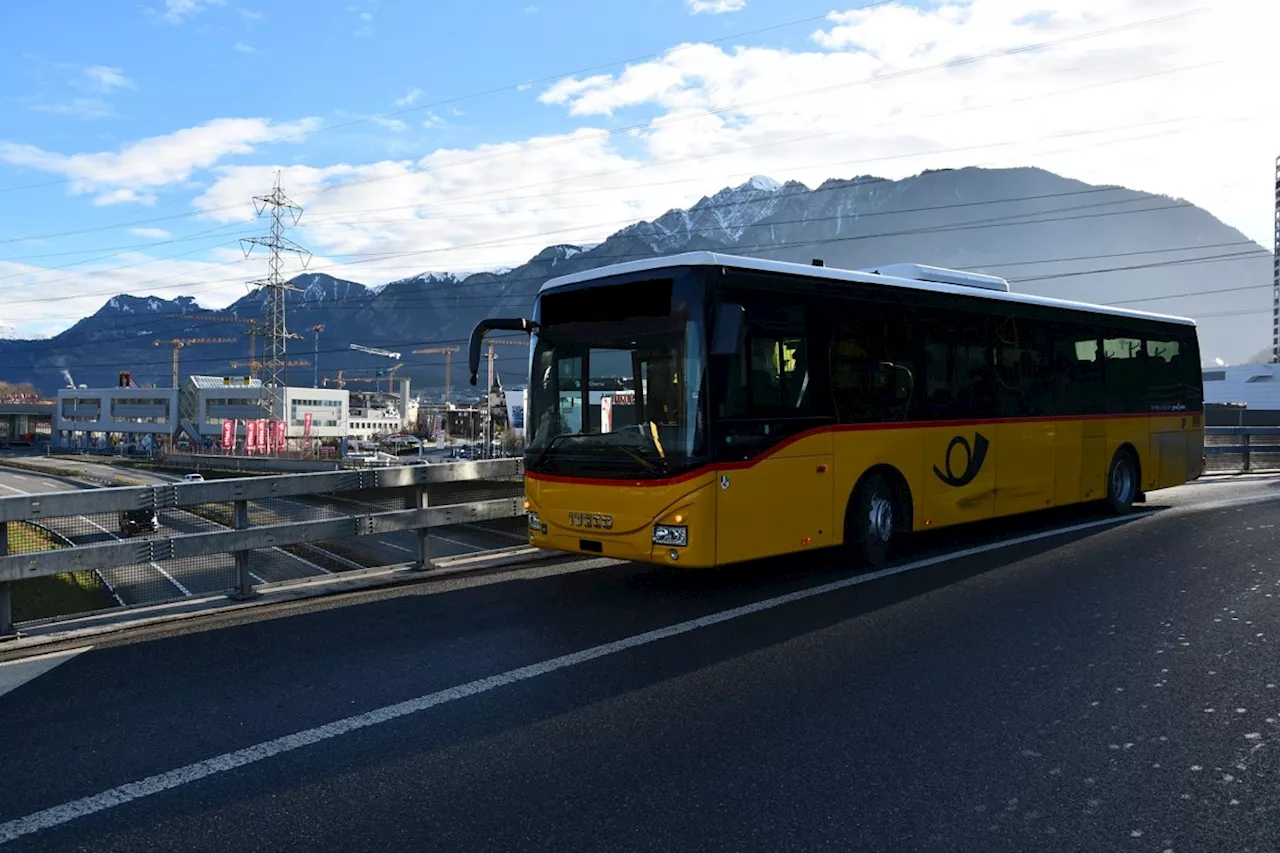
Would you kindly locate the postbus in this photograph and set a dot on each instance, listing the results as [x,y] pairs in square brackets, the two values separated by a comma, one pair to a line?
[704,409]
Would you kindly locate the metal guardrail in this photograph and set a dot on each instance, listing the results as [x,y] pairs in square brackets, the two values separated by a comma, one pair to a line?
[1249,443]
[229,521]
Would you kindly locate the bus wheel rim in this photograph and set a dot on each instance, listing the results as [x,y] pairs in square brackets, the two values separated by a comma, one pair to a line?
[881,519]
[1121,482]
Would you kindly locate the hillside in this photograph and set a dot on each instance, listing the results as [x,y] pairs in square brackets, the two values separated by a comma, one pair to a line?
[1049,235]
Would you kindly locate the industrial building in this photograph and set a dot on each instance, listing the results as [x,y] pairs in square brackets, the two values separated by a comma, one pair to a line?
[84,417]
[207,401]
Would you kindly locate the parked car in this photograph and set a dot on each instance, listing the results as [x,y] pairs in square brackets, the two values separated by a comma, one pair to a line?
[193,478]
[135,521]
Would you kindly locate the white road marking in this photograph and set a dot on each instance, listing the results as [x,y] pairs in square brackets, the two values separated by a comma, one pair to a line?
[182,589]
[67,812]
[15,673]
[255,577]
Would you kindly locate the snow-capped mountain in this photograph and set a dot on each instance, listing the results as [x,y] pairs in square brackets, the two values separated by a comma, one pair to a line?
[1047,234]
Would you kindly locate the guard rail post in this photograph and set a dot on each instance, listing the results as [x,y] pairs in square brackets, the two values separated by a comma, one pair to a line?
[6,588]
[1244,435]
[244,583]
[420,500]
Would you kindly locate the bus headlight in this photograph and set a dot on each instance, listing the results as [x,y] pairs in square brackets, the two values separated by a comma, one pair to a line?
[535,523]
[670,534]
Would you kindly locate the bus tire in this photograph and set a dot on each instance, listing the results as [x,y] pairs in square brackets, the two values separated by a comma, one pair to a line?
[874,524]
[1123,482]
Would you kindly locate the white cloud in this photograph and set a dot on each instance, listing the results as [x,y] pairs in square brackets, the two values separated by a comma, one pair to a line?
[409,97]
[1168,108]
[46,301]
[250,15]
[531,10]
[394,124]
[176,11]
[150,233]
[82,107]
[716,7]
[133,173]
[241,47]
[104,78]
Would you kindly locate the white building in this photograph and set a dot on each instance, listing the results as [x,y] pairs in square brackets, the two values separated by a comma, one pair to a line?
[207,401]
[1256,386]
[375,414]
[136,412]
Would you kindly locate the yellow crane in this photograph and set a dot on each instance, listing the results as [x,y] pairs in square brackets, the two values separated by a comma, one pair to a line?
[447,352]
[391,378]
[179,343]
[253,332]
[255,366]
[341,381]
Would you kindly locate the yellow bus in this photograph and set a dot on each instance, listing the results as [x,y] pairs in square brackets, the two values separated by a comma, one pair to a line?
[704,409]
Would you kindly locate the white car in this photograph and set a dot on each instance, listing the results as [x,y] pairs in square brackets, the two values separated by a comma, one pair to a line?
[193,478]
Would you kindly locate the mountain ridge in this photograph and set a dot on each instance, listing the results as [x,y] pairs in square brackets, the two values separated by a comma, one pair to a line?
[1049,235]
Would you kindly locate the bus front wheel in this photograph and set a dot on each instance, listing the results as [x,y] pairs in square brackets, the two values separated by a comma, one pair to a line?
[874,522]
[1122,482]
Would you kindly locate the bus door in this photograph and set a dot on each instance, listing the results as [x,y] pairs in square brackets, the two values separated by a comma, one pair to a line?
[776,495]
[1027,437]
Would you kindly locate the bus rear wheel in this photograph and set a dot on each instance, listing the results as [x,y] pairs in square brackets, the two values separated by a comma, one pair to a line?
[873,525]
[1122,482]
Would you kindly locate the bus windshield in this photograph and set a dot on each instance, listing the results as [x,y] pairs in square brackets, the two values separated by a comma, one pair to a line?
[617,398]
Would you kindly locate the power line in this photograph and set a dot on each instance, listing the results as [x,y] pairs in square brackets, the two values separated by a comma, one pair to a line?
[663,121]
[407,343]
[1005,221]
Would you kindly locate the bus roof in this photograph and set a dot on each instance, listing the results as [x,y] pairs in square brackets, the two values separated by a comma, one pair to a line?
[833,274]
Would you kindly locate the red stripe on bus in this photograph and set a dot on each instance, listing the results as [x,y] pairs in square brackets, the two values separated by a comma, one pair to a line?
[876,427]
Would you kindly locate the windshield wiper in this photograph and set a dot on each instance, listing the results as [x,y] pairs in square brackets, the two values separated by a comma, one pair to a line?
[551,442]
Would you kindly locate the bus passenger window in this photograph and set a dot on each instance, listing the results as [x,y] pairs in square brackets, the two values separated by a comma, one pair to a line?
[778,379]
[1164,376]
[1125,374]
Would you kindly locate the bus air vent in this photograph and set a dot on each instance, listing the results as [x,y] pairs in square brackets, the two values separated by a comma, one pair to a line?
[939,275]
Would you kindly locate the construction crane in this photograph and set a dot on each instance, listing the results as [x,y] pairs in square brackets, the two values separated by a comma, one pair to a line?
[447,352]
[315,338]
[376,351]
[491,343]
[391,378]
[253,332]
[255,366]
[179,343]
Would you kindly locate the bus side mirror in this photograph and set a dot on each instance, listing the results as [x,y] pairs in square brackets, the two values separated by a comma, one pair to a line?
[729,329]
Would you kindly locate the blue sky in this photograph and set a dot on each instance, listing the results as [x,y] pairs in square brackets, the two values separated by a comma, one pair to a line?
[145,129]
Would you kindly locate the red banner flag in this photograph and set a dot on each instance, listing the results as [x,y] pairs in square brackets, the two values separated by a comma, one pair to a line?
[228,435]
[250,436]
[271,435]
[262,435]
[306,427]
[282,435]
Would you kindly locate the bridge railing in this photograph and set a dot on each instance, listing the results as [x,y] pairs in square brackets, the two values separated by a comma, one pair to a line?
[77,551]
[1242,448]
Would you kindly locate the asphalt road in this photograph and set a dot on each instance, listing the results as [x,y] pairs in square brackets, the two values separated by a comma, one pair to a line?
[155,582]
[1111,687]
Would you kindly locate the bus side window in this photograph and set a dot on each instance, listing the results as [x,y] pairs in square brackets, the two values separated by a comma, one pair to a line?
[1023,375]
[959,369]
[1125,374]
[1078,366]
[872,371]
[778,375]
[1164,375]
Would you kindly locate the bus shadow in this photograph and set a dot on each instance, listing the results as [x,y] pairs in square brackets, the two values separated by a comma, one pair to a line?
[947,554]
